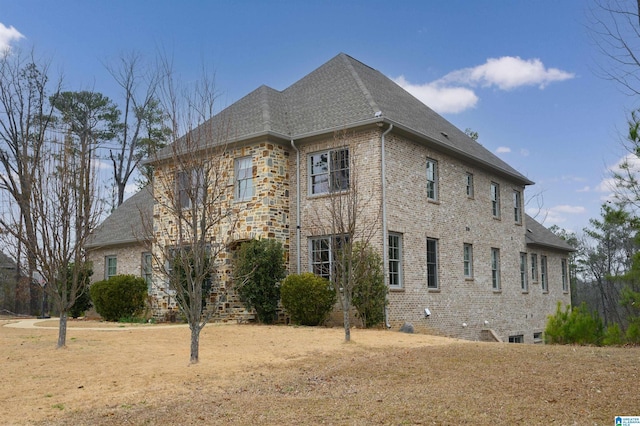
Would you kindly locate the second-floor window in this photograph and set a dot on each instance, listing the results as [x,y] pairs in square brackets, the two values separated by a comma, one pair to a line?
[495,199]
[534,267]
[244,188]
[432,179]
[543,273]
[329,171]
[524,284]
[189,188]
[565,278]
[517,206]
[469,184]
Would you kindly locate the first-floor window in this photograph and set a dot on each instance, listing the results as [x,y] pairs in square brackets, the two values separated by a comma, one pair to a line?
[147,269]
[468,260]
[495,268]
[395,260]
[519,338]
[432,263]
[565,279]
[543,273]
[323,254]
[111,267]
[523,272]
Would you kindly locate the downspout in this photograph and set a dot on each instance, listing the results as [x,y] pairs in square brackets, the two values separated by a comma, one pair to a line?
[298,248]
[385,232]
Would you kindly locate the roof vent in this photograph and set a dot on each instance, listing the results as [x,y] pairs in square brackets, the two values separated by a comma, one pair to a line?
[445,135]
[378,114]
[529,230]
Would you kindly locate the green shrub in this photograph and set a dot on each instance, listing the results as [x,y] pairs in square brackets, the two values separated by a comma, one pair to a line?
[633,332]
[120,296]
[83,301]
[575,325]
[308,298]
[613,336]
[258,270]
[369,290]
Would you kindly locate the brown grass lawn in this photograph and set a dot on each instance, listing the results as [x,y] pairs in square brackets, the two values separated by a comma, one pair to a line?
[250,374]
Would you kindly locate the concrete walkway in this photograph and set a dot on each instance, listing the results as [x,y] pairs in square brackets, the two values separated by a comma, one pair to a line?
[30,323]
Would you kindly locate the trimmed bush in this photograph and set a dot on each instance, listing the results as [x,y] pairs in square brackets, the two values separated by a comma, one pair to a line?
[308,298]
[575,325]
[369,290]
[119,297]
[258,270]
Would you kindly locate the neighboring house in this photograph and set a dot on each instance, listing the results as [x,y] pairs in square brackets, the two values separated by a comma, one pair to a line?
[461,256]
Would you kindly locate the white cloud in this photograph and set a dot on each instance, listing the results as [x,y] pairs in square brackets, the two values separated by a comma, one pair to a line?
[503,149]
[440,98]
[7,35]
[507,73]
[555,215]
[586,188]
[565,208]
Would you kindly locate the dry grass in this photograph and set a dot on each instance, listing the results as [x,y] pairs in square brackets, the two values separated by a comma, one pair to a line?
[287,375]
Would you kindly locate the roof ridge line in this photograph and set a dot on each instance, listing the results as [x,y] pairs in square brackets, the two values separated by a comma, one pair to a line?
[367,94]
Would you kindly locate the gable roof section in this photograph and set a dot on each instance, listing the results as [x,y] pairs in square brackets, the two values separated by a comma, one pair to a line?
[340,94]
[6,262]
[126,224]
[539,235]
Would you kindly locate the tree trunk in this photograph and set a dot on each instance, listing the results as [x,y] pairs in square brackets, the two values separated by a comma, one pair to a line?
[347,323]
[62,330]
[195,343]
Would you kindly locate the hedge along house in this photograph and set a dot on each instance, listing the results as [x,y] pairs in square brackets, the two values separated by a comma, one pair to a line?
[460,256]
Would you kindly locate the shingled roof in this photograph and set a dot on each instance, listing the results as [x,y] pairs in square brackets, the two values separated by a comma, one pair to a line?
[126,224]
[538,235]
[343,93]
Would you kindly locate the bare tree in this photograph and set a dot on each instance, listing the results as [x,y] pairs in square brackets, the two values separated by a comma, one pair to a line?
[194,218]
[350,219]
[141,131]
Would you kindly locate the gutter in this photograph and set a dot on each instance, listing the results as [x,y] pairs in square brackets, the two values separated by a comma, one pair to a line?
[385,231]
[297,206]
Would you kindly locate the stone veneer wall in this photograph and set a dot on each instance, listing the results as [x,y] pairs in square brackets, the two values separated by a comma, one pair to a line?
[266,215]
[129,260]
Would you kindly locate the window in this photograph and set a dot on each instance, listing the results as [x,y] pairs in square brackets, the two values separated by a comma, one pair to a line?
[147,268]
[432,179]
[517,206]
[495,268]
[537,337]
[323,254]
[543,273]
[524,284]
[189,188]
[111,267]
[516,339]
[395,260]
[495,199]
[244,189]
[432,263]
[468,260]
[565,280]
[534,267]
[329,171]
[469,184]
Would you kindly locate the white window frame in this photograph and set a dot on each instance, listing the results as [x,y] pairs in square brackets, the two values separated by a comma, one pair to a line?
[495,269]
[517,206]
[524,273]
[323,265]
[495,200]
[432,179]
[467,259]
[534,267]
[107,266]
[469,184]
[331,175]
[395,260]
[565,277]
[432,264]
[186,181]
[244,184]
[544,279]
[146,268]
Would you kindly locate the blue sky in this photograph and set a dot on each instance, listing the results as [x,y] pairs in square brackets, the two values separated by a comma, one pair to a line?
[520,73]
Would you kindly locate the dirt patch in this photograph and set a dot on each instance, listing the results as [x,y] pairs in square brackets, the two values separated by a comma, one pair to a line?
[297,375]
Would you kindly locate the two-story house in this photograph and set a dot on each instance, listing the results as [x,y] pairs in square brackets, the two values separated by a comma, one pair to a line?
[460,256]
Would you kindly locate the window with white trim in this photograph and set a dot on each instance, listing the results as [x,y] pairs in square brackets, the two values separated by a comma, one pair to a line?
[322,254]
[524,283]
[432,263]
[469,184]
[147,268]
[395,260]
[329,171]
[517,206]
[543,273]
[565,278]
[495,268]
[110,266]
[495,199]
[534,267]
[189,187]
[467,255]
[244,188]
[432,179]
